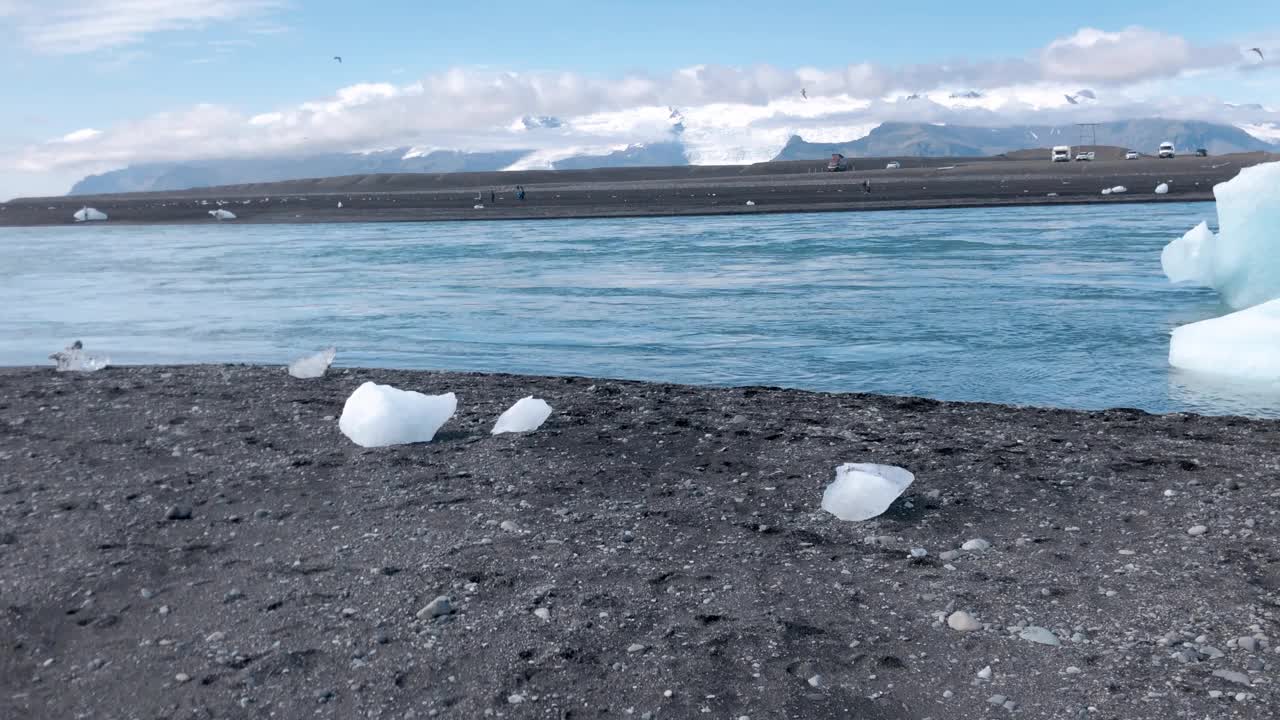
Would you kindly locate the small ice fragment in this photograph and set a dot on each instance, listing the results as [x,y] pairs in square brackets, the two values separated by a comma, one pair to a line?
[88,214]
[478,206]
[75,359]
[1162,189]
[221,214]
[1119,189]
[526,415]
[862,491]
[1106,191]
[985,673]
[339,203]
[751,202]
[380,415]
[976,545]
[963,621]
[313,366]
[1242,345]
[1037,634]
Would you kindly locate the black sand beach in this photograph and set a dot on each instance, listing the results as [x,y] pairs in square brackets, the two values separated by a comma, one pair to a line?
[921,183]
[202,542]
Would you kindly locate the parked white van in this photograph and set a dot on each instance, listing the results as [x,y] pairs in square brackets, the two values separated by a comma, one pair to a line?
[1061,153]
[1166,150]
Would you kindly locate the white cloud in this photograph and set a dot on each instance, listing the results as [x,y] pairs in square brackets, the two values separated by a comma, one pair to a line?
[730,114]
[68,27]
[80,135]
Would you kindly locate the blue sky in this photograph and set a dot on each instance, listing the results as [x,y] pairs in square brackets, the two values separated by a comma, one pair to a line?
[94,64]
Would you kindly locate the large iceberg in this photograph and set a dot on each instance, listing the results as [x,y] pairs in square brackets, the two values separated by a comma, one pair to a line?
[1244,344]
[862,491]
[1241,262]
[380,415]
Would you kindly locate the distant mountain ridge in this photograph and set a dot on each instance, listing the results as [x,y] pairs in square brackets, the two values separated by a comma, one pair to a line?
[890,139]
[928,140]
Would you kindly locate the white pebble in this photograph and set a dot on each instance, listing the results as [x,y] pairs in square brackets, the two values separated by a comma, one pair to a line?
[1197,530]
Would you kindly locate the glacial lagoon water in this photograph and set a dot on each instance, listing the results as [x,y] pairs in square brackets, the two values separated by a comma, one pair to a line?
[1061,307]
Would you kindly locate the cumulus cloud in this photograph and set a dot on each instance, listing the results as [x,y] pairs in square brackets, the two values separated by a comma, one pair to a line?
[1130,55]
[731,114]
[68,27]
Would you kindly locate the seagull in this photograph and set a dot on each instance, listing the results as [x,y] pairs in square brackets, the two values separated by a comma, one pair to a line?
[1259,51]
[804,93]
[338,58]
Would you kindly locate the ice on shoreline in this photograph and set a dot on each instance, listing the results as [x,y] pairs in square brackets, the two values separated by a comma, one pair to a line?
[1241,262]
[88,214]
[862,491]
[75,359]
[1244,344]
[380,415]
[526,415]
[313,366]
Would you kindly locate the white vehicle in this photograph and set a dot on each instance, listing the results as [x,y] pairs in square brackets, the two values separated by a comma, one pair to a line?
[894,165]
[1166,150]
[1061,153]
[1084,156]
[1131,155]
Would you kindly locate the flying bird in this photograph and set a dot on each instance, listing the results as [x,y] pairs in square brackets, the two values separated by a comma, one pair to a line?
[338,58]
[804,93]
[1259,51]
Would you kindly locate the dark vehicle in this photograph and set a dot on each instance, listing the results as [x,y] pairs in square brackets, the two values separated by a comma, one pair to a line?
[838,163]
[1201,152]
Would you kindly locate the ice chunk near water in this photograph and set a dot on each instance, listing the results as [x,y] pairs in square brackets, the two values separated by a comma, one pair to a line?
[75,359]
[88,214]
[1244,257]
[751,203]
[526,415]
[380,415]
[1244,344]
[1119,189]
[221,214]
[1162,189]
[862,491]
[313,366]
[1106,191]
[1187,258]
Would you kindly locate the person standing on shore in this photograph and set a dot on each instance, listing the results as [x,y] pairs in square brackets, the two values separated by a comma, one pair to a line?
[492,196]
[866,186]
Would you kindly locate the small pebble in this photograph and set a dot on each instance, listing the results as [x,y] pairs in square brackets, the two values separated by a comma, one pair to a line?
[635,648]
[182,677]
[442,605]
[178,512]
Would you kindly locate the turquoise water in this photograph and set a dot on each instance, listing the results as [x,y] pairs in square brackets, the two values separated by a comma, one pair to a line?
[1047,306]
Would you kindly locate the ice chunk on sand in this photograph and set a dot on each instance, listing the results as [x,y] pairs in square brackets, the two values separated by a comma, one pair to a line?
[221,214]
[75,359]
[526,415]
[1162,189]
[862,491]
[313,366]
[380,415]
[1119,189]
[1244,344]
[1244,258]
[1106,191]
[1187,258]
[88,214]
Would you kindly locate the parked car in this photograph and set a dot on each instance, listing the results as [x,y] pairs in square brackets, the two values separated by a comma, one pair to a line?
[1084,156]
[1201,152]
[893,165]
[1166,150]
[1131,155]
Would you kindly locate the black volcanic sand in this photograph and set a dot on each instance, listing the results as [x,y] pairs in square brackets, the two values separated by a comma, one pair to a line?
[202,542]
[623,192]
